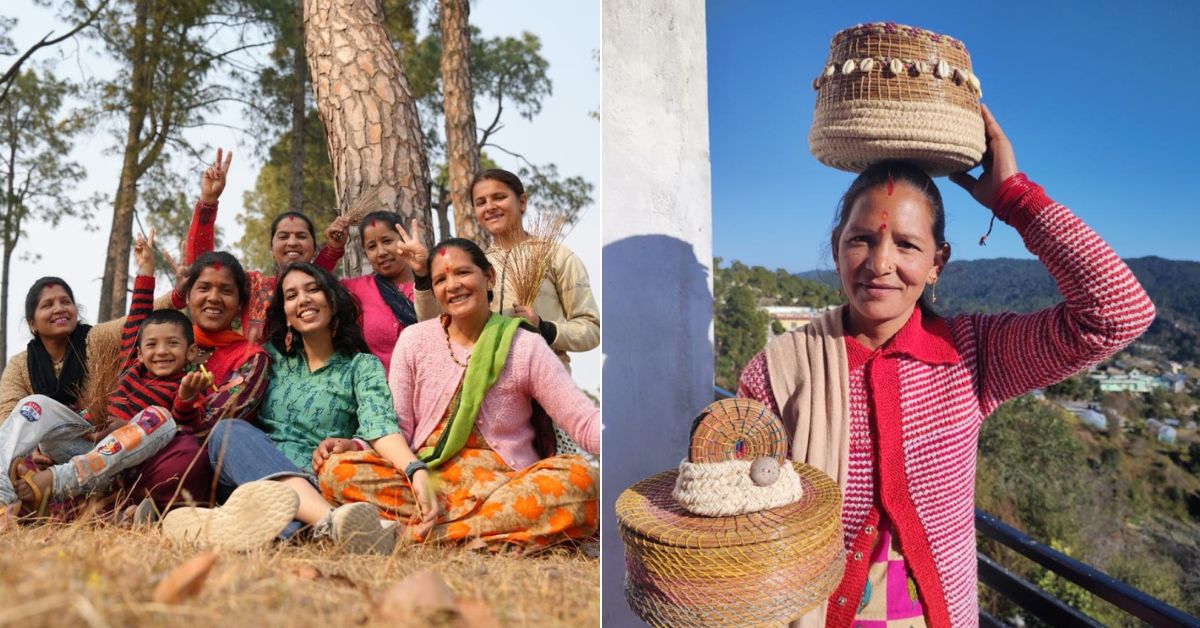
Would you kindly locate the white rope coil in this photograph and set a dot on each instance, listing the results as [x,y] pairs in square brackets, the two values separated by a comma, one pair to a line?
[722,489]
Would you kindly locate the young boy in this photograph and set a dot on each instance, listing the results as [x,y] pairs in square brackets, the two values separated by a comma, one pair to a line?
[156,347]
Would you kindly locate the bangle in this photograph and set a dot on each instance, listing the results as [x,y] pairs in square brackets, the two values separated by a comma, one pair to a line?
[413,467]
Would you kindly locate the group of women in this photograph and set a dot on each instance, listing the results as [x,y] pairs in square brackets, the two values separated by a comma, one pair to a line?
[335,402]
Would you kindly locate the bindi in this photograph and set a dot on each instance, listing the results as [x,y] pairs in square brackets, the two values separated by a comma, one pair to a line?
[217,266]
[891,185]
[372,222]
[883,225]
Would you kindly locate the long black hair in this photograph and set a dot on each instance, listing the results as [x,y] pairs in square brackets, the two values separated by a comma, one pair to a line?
[347,332]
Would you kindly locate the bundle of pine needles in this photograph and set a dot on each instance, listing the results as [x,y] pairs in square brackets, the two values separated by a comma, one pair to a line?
[367,202]
[527,262]
[101,382]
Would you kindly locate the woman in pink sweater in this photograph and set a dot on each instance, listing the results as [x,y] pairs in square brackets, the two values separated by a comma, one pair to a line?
[463,386]
[386,294]
[898,393]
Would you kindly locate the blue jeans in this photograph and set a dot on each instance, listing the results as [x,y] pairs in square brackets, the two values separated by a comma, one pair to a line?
[242,453]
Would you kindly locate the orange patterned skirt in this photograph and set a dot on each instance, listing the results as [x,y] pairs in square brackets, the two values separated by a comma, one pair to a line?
[480,496]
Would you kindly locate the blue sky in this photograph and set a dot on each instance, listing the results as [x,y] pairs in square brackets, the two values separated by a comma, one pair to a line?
[1101,101]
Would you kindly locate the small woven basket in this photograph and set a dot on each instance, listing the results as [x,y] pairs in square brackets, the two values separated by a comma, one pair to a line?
[762,568]
[889,91]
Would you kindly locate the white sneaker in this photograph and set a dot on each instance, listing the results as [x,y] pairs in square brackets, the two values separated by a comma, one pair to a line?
[357,529]
[253,516]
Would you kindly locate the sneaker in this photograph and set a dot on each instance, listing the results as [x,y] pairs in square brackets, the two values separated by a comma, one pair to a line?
[252,517]
[357,529]
[146,513]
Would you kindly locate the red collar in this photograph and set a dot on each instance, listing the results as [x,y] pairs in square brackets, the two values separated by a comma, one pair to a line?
[923,338]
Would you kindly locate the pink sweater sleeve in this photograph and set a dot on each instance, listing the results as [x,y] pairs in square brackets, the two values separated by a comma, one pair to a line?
[401,380]
[552,386]
[755,382]
[1104,308]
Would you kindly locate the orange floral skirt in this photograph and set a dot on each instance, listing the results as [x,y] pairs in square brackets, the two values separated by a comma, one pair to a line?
[552,501]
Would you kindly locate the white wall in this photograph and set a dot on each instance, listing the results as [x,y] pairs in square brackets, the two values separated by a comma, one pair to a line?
[657,218]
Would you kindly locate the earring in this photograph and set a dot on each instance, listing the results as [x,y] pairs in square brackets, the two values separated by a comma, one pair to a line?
[933,292]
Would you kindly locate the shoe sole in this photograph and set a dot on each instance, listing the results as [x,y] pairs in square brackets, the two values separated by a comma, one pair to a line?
[252,517]
[356,529]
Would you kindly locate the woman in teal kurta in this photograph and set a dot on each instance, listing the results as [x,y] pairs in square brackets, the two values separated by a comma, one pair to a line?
[326,394]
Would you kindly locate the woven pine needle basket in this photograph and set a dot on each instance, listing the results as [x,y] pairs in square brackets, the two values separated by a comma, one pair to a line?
[889,91]
[762,568]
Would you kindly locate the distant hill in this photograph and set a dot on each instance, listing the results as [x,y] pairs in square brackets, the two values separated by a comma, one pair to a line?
[1003,284]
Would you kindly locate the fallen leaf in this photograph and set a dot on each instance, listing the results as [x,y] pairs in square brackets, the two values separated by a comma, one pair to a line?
[477,614]
[185,580]
[423,594]
[306,572]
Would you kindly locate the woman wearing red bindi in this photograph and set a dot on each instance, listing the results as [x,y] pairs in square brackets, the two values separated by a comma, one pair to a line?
[293,239]
[898,423]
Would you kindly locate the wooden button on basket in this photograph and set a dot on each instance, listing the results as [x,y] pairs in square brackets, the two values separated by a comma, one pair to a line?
[889,91]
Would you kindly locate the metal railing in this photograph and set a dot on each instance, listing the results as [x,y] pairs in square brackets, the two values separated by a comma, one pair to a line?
[1036,601]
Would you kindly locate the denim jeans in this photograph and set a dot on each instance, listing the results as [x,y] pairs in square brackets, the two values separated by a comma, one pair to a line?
[80,466]
[242,453]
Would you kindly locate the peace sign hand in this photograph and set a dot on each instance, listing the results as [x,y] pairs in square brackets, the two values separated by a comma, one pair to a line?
[411,248]
[143,254]
[212,182]
[999,163]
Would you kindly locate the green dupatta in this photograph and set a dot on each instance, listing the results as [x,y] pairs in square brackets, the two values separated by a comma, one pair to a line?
[483,369]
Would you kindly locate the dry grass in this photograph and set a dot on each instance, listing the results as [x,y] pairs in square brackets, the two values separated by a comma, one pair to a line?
[101,575]
[526,263]
[367,202]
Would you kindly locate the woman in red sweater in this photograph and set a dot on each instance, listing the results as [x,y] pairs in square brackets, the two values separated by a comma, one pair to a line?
[888,398]
[293,239]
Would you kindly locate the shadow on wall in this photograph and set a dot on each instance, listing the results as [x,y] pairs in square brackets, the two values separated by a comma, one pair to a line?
[658,374]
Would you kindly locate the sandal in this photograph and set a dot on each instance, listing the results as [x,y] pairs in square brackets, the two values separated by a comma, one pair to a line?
[19,472]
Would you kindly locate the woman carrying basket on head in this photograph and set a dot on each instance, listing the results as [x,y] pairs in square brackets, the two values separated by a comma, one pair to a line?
[888,397]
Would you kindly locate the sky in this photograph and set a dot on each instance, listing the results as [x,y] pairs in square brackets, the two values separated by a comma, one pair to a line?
[563,133]
[1100,100]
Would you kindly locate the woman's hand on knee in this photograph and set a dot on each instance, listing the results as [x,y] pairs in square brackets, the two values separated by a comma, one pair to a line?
[328,447]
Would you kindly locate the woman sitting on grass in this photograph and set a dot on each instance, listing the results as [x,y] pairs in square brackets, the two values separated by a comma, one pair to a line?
[324,384]
[463,386]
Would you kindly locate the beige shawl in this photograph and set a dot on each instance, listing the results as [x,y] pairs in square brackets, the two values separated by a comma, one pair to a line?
[810,379]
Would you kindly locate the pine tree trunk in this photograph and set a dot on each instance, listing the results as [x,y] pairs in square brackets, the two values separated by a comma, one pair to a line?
[370,116]
[299,77]
[462,153]
[120,237]
[10,242]
[442,208]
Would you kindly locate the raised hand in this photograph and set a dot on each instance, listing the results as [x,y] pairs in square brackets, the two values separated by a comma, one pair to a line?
[411,248]
[335,233]
[526,312]
[999,163]
[212,182]
[178,268]
[143,254]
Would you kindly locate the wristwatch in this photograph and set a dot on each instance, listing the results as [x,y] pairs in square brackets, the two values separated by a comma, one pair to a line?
[413,467]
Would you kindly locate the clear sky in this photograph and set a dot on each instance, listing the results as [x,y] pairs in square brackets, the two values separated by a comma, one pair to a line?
[563,134]
[1100,99]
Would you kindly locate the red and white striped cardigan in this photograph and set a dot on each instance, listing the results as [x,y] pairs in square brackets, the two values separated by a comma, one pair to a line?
[917,403]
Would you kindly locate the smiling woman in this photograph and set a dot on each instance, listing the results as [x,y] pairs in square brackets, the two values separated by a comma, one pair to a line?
[463,387]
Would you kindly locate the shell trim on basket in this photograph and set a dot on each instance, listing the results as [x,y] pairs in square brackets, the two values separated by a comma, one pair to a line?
[892,28]
[893,67]
[726,488]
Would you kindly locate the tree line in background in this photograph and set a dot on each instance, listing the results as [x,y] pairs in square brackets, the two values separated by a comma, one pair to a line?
[392,103]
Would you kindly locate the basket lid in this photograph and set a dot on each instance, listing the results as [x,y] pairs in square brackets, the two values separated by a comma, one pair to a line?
[649,509]
[737,429]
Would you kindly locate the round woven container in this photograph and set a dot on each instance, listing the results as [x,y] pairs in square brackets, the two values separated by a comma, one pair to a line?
[762,568]
[889,91]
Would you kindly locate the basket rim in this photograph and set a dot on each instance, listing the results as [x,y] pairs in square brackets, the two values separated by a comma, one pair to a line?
[875,28]
[821,498]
